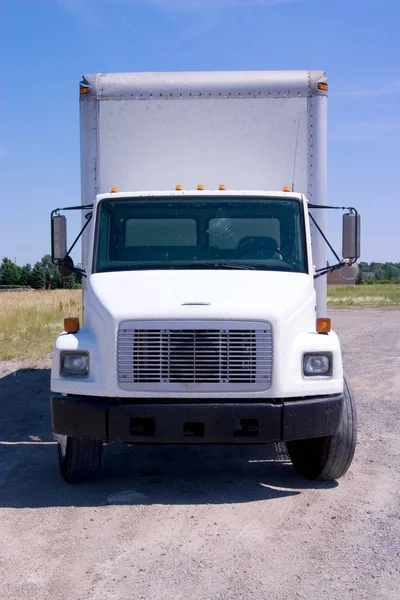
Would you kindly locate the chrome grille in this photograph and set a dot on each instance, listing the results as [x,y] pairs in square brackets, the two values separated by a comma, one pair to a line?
[239,358]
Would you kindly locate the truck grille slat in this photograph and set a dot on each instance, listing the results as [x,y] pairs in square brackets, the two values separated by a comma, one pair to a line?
[220,358]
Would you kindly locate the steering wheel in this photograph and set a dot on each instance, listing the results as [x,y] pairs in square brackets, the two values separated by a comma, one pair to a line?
[263,253]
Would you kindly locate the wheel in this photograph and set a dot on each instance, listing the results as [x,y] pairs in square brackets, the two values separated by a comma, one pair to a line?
[79,460]
[328,458]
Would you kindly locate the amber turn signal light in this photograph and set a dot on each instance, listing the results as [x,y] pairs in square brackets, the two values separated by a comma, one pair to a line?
[71,324]
[323,325]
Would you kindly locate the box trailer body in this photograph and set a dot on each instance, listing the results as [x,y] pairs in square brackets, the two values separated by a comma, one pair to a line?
[215,351]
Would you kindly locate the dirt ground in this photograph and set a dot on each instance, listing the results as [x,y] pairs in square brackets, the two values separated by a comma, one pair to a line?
[210,523]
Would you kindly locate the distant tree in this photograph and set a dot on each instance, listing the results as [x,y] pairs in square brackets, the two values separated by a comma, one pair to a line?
[78,276]
[9,272]
[53,279]
[360,280]
[38,277]
[25,275]
[46,262]
[391,273]
[378,271]
[69,282]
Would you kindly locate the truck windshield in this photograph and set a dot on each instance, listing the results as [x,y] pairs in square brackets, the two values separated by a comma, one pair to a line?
[192,233]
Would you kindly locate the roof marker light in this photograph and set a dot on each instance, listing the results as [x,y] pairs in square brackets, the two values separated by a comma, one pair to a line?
[178,187]
[286,188]
[200,187]
[114,190]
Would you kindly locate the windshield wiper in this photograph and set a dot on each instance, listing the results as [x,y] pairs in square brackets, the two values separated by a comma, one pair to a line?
[221,266]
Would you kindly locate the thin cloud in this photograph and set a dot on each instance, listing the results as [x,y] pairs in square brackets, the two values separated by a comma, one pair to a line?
[185,4]
[388,106]
[380,130]
[381,88]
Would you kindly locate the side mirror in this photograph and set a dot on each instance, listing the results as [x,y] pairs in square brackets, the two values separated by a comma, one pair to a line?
[58,237]
[349,272]
[59,247]
[351,236]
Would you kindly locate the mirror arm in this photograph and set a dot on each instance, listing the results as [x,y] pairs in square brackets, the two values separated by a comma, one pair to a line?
[79,271]
[88,218]
[333,207]
[331,268]
[325,270]
[80,207]
[325,238]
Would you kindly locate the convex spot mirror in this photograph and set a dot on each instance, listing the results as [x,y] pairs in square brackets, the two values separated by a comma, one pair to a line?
[349,272]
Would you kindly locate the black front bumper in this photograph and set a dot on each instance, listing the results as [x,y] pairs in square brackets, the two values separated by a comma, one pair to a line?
[204,422]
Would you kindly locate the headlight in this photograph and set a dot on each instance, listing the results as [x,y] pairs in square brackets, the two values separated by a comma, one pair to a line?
[75,364]
[317,364]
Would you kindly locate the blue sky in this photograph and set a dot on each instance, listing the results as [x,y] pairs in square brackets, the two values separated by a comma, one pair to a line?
[46,45]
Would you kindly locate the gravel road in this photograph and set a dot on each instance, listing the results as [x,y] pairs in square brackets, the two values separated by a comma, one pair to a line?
[206,523]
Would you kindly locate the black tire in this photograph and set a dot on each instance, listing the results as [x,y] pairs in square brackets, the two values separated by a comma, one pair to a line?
[80,459]
[328,458]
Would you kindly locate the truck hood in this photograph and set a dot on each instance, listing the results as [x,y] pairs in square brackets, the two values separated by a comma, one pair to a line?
[196,294]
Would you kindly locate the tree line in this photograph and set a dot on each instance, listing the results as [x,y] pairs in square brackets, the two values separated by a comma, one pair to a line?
[42,275]
[375,272]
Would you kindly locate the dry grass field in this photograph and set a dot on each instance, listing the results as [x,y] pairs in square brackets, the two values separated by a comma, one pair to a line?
[30,321]
[369,296]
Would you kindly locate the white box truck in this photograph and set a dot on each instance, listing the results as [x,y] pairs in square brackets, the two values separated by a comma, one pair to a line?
[204,271]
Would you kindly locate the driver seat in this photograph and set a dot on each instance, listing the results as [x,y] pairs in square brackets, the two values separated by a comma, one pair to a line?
[259,247]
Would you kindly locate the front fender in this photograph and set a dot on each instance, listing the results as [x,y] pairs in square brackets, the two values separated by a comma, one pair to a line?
[83,340]
[289,371]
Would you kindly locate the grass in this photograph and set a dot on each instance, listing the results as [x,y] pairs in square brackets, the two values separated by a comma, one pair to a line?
[30,321]
[376,295]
